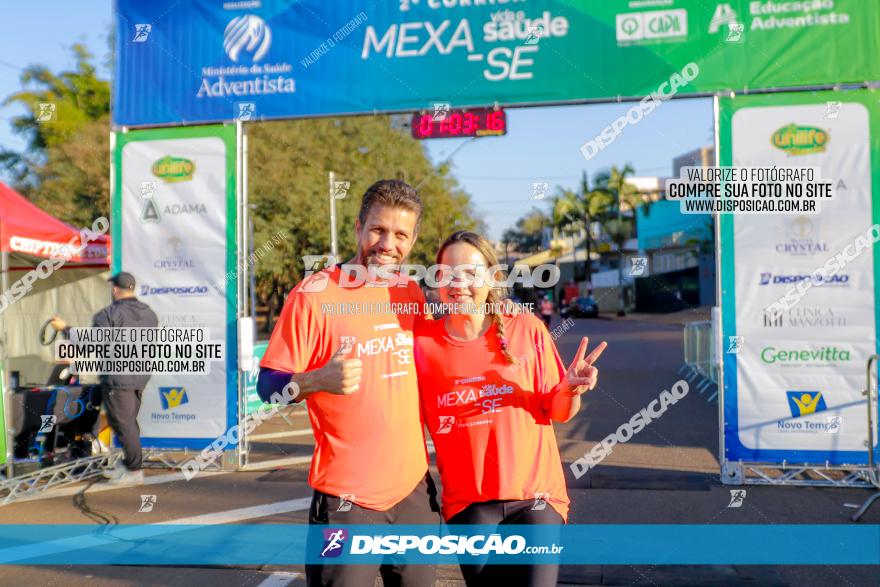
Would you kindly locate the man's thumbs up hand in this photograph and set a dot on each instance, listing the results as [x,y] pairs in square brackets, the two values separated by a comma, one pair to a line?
[341,376]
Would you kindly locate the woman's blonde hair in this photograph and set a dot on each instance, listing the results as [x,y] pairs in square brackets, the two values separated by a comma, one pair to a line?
[495,294]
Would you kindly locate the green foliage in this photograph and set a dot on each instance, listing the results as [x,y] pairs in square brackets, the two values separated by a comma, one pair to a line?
[77,96]
[74,183]
[289,190]
[573,211]
[568,211]
[622,196]
[526,237]
[65,170]
[619,227]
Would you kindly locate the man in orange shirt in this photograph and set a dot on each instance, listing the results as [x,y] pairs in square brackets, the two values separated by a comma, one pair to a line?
[351,360]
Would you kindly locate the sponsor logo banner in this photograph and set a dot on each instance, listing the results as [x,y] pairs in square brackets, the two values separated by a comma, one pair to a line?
[800,140]
[173,397]
[804,403]
[800,290]
[266,60]
[173,192]
[173,169]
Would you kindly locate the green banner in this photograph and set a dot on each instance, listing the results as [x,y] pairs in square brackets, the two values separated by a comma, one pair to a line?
[211,61]
[741,44]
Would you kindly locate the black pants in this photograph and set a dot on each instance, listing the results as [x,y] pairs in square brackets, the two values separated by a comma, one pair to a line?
[508,512]
[419,507]
[122,407]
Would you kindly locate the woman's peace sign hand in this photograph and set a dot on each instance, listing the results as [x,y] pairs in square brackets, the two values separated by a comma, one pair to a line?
[582,375]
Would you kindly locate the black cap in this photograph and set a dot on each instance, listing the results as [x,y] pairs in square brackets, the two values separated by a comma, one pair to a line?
[123,280]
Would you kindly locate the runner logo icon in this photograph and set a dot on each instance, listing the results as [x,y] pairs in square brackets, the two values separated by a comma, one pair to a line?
[446,424]
[334,540]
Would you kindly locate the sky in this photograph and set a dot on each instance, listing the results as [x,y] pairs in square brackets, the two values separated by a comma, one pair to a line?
[542,144]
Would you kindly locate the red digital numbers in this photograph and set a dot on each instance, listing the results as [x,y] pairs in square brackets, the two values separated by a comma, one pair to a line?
[424,125]
[470,123]
[496,121]
[473,122]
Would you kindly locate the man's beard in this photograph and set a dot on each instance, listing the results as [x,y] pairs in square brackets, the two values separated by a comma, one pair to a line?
[381,270]
[374,258]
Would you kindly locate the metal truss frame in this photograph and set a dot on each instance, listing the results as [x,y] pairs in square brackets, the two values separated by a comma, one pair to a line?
[742,473]
[40,481]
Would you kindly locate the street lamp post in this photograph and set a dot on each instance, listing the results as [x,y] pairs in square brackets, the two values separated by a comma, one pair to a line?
[333,245]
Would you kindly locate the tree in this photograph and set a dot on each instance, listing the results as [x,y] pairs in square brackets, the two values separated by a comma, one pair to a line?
[74,183]
[64,169]
[566,214]
[624,194]
[573,211]
[289,163]
[527,236]
[447,207]
[596,204]
[58,109]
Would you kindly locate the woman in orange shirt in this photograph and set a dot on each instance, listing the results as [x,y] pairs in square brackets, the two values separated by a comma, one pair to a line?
[490,385]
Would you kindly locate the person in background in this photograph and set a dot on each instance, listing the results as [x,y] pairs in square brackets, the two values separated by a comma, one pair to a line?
[491,385]
[122,393]
[546,310]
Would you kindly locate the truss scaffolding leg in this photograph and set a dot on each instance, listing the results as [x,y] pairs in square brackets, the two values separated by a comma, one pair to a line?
[865,506]
[42,480]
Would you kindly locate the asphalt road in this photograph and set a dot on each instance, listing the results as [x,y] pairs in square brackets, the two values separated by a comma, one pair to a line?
[668,473]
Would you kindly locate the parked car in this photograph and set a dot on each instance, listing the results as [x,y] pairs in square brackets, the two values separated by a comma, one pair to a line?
[581,308]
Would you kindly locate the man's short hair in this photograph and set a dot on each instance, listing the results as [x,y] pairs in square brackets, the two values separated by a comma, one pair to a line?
[392,193]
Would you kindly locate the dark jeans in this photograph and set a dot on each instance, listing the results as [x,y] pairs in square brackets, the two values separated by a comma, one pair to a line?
[122,407]
[419,507]
[508,512]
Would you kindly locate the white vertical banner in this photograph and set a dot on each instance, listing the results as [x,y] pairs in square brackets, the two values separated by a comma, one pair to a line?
[793,385]
[175,213]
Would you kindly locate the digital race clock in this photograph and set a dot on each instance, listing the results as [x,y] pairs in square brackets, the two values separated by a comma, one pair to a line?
[457,123]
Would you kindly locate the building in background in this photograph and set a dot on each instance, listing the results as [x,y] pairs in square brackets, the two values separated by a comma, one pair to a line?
[668,263]
[679,249]
[702,157]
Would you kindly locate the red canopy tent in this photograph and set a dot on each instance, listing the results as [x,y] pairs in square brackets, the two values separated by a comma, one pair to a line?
[74,290]
[28,231]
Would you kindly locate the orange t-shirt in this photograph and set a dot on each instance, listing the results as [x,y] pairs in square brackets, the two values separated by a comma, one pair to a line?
[488,420]
[369,445]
